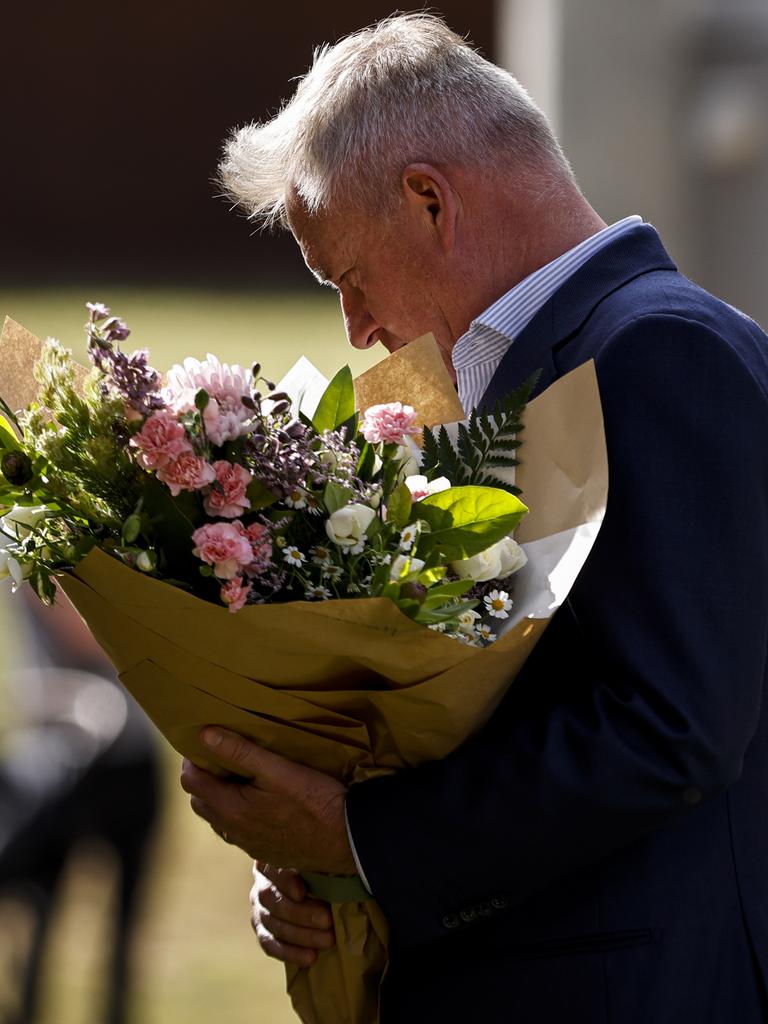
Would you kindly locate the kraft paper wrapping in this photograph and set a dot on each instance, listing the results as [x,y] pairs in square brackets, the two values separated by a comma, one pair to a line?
[353,687]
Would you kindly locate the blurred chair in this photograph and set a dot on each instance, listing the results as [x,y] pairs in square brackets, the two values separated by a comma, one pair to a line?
[79,763]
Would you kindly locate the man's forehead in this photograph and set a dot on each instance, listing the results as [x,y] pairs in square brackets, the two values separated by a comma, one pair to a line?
[323,241]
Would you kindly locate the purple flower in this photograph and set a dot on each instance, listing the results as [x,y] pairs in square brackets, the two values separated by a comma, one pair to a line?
[116,329]
[129,375]
[97,310]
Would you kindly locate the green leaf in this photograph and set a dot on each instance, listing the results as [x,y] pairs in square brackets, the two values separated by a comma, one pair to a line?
[366,462]
[337,404]
[8,437]
[467,520]
[259,496]
[399,506]
[173,521]
[335,497]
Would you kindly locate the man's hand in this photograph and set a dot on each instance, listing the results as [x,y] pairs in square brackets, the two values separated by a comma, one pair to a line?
[276,810]
[290,926]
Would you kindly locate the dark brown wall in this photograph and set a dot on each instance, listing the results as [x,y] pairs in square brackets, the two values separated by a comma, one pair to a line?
[112,116]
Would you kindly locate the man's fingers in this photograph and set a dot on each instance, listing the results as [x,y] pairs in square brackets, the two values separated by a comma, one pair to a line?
[245,758]
[282,951]
[287,880]
[309,913]
[293,934]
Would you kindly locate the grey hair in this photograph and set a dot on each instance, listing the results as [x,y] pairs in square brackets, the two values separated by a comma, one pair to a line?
[405,90]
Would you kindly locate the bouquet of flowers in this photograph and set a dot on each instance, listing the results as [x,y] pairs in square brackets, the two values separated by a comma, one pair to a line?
[204,481]
[162,507]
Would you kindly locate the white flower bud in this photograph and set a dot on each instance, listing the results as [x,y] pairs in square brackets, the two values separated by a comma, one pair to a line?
[486,565]
[22,519]
[512,557]
[10,566]
[146,561]
[401,564]
[495,563]
[346,526]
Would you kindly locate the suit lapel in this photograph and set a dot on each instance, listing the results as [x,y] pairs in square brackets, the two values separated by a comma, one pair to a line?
[637,252]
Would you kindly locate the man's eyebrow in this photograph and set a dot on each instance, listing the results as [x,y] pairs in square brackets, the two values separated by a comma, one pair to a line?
[322,276]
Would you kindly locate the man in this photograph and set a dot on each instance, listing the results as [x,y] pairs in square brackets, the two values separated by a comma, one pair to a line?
[598,852]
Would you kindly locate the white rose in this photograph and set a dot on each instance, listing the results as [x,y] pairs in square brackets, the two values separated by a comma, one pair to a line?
[512,557]
[347,525]
[486,565]
[22,519]
[401,564]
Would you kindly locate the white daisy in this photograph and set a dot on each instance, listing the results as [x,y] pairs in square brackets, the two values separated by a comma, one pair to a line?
[317,593]
[313,506]
[333,572]
[297,498]
[357,548]
[293,556]
[439,627]
[320,555]
[408,536]
[484,632]
[467,621]
[498,603]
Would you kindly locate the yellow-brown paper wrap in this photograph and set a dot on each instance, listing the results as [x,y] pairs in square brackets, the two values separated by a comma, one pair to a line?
[353,687]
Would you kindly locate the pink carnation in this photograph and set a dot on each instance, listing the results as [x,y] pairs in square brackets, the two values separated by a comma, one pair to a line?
[161,440]
[261,547]
[225,546]
[226,497]
[225,417]
[187,473]
[235,592]
[392,423]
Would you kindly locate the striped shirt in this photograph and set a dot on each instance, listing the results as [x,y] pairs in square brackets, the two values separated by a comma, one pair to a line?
[477,353]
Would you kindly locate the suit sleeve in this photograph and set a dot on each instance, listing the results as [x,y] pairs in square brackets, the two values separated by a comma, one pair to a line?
[642,696]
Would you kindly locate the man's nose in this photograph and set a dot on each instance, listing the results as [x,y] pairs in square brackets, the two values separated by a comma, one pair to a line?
[360,326]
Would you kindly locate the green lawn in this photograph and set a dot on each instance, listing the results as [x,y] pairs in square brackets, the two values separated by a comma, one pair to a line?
[197,960]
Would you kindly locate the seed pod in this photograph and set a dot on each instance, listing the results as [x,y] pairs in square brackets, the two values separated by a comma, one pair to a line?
[16,467]
[414,591]
[131,529]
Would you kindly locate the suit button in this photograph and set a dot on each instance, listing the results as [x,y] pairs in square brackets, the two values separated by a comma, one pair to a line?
[484,909]
[451,921]
[499,902]
[468,915]
[692,796]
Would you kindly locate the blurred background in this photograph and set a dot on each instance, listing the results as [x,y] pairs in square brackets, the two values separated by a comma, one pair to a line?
[116,903]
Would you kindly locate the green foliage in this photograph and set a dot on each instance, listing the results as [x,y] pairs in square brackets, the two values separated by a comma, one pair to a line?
[259,496]
[399,506]
[485,443]
[8,438]
[335,497]
[466,520]
[170,523]
[337,406]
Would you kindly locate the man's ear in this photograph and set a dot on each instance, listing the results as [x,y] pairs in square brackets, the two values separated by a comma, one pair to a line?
[432,200]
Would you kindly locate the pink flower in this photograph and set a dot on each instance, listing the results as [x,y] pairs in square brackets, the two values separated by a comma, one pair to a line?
[225,417]
[187,473]
[235,592]
[225,546]
[261,546]
[161,440]
[392,423]
[226,497]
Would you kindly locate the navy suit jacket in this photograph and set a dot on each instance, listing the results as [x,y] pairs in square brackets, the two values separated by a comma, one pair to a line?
[598,853]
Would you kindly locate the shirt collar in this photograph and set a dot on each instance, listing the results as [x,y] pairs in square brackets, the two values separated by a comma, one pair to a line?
[508,315]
